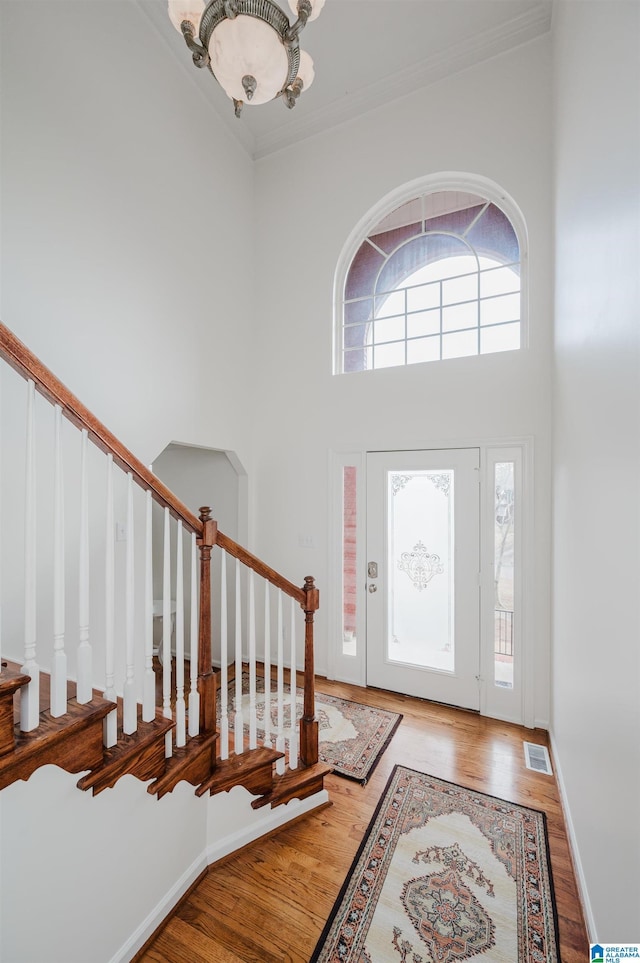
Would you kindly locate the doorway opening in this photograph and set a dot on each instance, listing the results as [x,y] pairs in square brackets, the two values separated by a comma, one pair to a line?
[199,476]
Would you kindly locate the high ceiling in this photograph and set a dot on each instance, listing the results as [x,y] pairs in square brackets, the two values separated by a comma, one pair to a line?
[366,52]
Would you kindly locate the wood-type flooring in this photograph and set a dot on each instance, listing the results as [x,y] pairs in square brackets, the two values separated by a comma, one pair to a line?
[269,902]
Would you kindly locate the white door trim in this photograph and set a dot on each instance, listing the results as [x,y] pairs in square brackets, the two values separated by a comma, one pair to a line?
[352,669]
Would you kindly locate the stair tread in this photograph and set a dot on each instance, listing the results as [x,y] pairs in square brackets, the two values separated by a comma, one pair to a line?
[120,760]
[72,741]
[78,716]
[294,784]
[129,743]
[191,763]
[230,772]
[11,680]
[301,776]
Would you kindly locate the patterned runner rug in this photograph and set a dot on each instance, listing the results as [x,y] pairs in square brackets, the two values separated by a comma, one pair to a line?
[445,874]
[352,736]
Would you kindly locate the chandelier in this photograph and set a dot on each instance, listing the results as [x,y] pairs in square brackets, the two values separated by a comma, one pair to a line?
[249,46]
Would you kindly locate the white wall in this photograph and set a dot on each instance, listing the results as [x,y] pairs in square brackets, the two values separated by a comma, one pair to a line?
[122,213]
[596,632]
[492,120]
[88,878]
[122,216]
[80,874]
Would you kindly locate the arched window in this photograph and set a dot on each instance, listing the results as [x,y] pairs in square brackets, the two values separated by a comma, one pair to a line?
[437,277]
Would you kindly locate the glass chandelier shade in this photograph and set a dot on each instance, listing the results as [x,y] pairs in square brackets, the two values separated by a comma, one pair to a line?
[190,10]
[306,70]
[250,46]
[316,7]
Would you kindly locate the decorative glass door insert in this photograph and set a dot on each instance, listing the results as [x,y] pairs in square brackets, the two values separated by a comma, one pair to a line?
[422,574]
[420,536]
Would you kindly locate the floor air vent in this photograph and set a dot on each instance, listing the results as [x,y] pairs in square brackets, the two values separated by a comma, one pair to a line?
[537,758]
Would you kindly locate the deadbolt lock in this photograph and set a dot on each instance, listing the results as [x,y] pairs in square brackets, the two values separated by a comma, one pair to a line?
[372,569]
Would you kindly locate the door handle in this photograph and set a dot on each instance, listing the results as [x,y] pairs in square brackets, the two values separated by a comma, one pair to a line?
[373,587]
[372,569]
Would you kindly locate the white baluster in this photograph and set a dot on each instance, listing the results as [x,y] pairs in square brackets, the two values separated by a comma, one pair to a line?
[253,737]
[238,721]
[293,733]
[59,664]
[111,721]
[166,631]
[30,698]
[181,718]
[267,666]
[194,695]
[129,701]
[224,659]
[149,685]
[84,691]
[280,740]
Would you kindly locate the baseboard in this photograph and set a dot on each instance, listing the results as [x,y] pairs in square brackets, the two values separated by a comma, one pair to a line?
[266,823]
[573,844]
[263,824]
[159,913]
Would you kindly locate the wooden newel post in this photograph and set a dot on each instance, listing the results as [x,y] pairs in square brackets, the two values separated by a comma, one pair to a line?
[308,723]
[206,677]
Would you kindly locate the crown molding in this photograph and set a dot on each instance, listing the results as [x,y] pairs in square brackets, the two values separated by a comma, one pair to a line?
[483,46]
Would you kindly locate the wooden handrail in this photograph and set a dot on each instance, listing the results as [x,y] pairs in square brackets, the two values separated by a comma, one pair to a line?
[16,354]
[28,366]
[261,568]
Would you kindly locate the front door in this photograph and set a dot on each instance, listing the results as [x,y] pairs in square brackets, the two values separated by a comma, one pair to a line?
[423,597]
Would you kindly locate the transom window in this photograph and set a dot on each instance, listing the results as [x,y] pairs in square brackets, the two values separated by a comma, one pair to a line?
[437,278]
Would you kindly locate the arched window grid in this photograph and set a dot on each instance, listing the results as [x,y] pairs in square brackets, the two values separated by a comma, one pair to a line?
[400,348]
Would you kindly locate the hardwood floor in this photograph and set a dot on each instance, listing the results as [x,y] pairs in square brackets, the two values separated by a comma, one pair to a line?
[268,903]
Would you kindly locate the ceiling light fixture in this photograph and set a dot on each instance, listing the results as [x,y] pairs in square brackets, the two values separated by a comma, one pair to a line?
[249,46]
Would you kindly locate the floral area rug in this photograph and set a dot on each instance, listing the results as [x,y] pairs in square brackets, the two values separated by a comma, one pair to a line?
[445,874]
[352,736]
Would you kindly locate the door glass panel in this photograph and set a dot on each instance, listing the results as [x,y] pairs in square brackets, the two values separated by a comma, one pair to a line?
[504,573]
[349,593]
[420,577]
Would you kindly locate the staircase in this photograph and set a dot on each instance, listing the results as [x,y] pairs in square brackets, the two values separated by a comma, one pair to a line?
[112,705]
